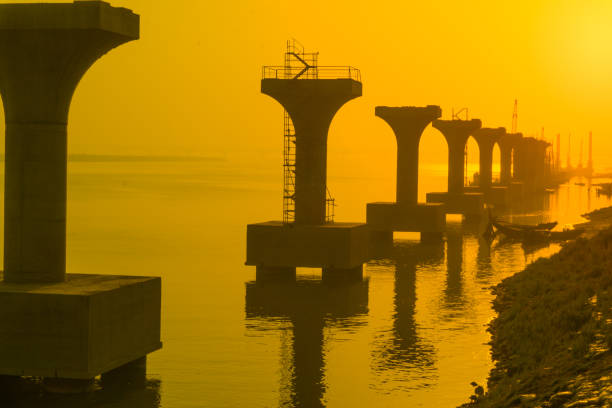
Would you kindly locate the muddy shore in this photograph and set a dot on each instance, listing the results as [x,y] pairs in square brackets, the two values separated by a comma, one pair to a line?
[552,336]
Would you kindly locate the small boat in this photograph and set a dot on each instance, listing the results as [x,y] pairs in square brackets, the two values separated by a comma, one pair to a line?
[526,227]
[511,231]
[534,235]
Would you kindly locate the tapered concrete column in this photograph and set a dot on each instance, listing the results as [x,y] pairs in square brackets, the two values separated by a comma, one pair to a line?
[456,133]
[45,49]
[540,163]
[486,139]
[507,145]
[408,124]
[524,160]
[519,158]
[530,162]
[312,104]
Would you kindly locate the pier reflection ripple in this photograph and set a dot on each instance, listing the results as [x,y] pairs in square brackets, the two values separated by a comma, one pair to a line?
[300,310]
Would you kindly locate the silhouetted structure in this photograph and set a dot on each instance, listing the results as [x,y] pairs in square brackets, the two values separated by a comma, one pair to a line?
[310,306]
[558,153]
[486,139]
[531,165]
[456,201]
[52,324]
[406,214]
[508,145]
[311,101]
[589,167]
[568,164]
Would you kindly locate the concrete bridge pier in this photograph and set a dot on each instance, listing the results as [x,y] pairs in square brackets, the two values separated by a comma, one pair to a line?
[486,139]
[406,214]
[337,248]
[456,200]
[67,328]
[530,164]
[541,165]
[508,145]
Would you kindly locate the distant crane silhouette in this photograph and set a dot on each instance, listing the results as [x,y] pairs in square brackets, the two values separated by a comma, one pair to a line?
[515,117]
[569,152]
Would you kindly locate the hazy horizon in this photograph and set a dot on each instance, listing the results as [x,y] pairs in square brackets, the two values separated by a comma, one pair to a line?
[191,84]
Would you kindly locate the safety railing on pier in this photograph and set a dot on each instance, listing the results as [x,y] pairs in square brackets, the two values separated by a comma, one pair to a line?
[320,72]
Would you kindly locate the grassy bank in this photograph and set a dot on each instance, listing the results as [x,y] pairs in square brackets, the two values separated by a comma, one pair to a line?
[551,340]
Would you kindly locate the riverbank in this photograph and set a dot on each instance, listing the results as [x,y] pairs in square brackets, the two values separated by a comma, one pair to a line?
[552,336]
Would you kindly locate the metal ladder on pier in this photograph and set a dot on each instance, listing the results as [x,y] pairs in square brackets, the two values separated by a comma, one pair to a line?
[298,65]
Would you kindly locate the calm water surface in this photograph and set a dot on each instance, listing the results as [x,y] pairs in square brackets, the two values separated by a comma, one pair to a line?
[412,333]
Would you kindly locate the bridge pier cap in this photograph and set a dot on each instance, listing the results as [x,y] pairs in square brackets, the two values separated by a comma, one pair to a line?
[45,49]
[486,139]
[456,133]
[408,124]
[312,105]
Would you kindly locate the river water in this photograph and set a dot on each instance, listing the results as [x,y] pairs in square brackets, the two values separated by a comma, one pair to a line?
[412,333]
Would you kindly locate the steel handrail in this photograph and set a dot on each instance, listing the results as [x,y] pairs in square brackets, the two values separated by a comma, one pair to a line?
[319,72]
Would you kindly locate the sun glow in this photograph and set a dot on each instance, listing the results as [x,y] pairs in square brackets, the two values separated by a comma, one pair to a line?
[580,42]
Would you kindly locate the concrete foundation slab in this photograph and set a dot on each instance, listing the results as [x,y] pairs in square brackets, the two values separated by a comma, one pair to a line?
[469,204]
[80,328]
[424,218]
[517,190]
[499,196]
[332,246]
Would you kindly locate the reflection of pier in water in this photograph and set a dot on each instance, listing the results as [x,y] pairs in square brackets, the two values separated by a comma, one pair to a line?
[403,352]
[454,296]
[458,239]
[310,306]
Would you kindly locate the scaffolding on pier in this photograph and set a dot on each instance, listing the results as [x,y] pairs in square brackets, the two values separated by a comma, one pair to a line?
[299,65]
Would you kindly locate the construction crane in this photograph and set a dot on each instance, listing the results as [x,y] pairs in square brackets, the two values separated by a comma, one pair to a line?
[515,117]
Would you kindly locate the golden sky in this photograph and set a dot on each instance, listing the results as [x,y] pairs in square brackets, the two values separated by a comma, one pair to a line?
[190,85]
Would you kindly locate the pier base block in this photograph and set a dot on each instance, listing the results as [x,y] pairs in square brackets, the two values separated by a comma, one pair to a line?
[80,328]
[517,190]
[428,219]
[471,205]
[338,246]
[499,196]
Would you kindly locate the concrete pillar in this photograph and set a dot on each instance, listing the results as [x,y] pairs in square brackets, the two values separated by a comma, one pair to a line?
[456,133]
[408,124]
[312,104]
[486,139]
[45,49]
[519,158]
[507,145]
[541,164]
[531,162]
